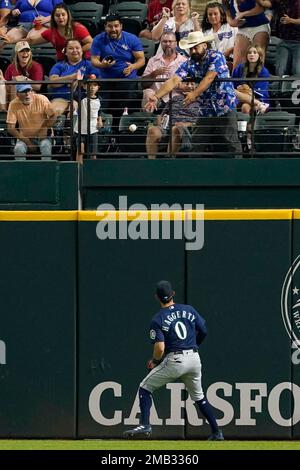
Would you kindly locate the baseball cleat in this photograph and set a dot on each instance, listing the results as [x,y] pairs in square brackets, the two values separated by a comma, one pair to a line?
[216,436]
[139,431]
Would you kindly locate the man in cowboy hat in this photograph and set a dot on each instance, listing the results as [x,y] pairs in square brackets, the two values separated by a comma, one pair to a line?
[216,131]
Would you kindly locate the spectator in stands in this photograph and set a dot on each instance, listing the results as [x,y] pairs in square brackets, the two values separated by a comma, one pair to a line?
[63,27]
[253,25]
[34,115]
[34,17]
[154,15]
[118,54]
[162,66]
[181,119]
[288,29]
[5,9]
[73,68]
[215,22]
[89,134]
[182,21]
[23,68]
[253,68]
[216,130]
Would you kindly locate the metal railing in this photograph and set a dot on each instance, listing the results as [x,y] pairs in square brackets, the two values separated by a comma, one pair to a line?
[276,133]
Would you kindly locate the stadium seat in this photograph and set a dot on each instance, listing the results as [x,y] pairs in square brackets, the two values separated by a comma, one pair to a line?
[274,91]
[270,59]
[132,25]
[46,61]
[149,47]
[105,133]
[89,14]
[4,63]
[8,52]
[92,27]
[136,10]
[45,50]
[87,11]
[133,143]
[274,133]
[289,94]
[5,138]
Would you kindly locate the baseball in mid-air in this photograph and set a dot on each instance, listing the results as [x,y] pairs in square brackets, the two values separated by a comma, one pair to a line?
[132,127]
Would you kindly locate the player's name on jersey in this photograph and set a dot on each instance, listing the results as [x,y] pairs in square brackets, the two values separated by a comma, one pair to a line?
[179,314]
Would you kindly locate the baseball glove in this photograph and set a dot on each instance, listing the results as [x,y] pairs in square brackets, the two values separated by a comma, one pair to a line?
[153,363]
[150,365]
[244,88]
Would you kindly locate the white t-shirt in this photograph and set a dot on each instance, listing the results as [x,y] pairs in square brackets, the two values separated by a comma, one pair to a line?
[95,106]
[170,27]
[224,38]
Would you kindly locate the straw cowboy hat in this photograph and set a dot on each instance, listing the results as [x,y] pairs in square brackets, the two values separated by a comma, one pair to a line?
[194,38]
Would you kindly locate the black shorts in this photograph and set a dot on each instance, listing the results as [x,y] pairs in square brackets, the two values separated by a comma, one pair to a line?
[92,141]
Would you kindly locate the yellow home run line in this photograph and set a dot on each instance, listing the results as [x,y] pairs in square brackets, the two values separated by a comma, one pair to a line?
[86,216]
[282,214]
[42,216]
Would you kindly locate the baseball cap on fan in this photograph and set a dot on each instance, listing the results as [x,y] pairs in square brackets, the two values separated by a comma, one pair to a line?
[20,88]
[164,291]
[21,45]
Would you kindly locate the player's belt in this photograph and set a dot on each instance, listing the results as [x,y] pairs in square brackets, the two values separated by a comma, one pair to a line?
[182,351]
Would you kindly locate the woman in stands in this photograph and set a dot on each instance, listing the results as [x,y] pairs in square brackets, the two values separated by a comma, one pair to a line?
[33,16]
[181,22]
[215,22]
[62,28]
[23,68]
[75,67]
[253,25]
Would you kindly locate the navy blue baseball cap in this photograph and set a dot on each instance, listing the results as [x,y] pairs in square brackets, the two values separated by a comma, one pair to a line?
[164,291]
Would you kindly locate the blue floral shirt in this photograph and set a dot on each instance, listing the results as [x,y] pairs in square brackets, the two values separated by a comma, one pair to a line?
[220,97]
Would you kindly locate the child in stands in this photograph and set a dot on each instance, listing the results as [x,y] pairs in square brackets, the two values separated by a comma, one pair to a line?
[90,107]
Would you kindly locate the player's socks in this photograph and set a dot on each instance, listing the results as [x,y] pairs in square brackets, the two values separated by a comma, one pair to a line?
[208,413]
[145,405]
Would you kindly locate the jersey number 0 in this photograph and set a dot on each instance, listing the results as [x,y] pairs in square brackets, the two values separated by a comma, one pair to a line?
[180,330]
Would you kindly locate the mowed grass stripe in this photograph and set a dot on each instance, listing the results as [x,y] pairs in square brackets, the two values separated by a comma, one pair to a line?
[29,444]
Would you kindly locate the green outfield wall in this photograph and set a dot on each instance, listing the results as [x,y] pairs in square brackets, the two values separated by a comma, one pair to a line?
[75,312]
[259,183]
[38,326]
[217,183]
[36,185]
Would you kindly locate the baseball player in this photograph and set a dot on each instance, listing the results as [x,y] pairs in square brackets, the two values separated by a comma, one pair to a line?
[176,332]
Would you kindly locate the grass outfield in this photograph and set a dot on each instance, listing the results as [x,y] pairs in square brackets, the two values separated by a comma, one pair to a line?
[13,444]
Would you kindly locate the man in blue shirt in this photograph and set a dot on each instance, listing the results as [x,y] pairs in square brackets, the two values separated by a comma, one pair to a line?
[216,129]
[176,332]
[118,54]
